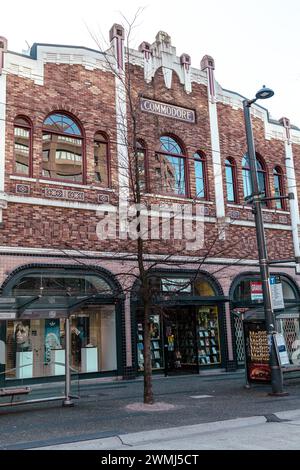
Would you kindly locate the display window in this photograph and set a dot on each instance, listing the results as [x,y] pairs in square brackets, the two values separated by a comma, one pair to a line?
[36,348]
[208,336]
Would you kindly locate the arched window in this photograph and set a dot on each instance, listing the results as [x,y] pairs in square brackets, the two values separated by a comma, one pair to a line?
[23,146]
[141,161]
[200,175]
[62,149]
[230,174]
[101,159]
[278,187]
[169,169]
[261,175]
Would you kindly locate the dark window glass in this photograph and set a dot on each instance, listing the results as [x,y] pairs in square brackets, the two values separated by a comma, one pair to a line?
[199,166]
[22,143]
[278,187]
[261,176]
[170,167]
[101,159]
[230,181]
[62,149]
[141,156]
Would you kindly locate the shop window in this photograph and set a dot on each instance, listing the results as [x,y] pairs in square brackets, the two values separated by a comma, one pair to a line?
[249,290]
[61,284]
[22,146]
[101,159]
[230,174]
[278,187]
[36,348]
[200,175]
[204,288]
[62,149]
[170,168]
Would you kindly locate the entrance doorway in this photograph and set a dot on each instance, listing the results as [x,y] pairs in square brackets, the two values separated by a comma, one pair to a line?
[192,339]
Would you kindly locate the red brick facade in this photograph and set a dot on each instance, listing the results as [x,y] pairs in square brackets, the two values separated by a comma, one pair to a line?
[33,221]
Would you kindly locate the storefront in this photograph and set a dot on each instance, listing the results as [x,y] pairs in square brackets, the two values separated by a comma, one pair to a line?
[187,323]
[34,305]
[246,299]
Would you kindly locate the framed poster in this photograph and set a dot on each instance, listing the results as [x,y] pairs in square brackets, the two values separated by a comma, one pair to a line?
[257,352]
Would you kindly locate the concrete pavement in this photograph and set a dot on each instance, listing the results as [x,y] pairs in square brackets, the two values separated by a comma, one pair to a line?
[254,433]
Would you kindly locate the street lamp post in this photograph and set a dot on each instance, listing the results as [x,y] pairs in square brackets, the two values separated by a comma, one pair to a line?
[256,197]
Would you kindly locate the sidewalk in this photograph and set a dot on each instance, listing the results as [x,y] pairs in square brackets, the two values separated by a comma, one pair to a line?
[110,410]
[240,434]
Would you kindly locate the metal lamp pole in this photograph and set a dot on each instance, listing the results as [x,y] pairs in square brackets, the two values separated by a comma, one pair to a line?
[276,374]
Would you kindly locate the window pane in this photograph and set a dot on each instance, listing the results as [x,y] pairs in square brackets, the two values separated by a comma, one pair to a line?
[62,124]
[229,184]
[141,169]
[62,157]
[100,160]
[169,145]
[171,174]
[277,188]
[22,150]
[247,183]
[199,175]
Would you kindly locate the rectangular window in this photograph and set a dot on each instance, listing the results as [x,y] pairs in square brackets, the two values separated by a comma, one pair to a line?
[100,161]
[172,175]
[21,150]
[36,348]
[229,184]
[199,176]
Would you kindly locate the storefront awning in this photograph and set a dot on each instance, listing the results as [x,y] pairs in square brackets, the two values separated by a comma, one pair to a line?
[29,307]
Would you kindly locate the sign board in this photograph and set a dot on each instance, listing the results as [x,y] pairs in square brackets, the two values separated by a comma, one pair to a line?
[256,291]
[176,285]
[7,315]
[257,352]
[276,292]
[168,110]
[281,349]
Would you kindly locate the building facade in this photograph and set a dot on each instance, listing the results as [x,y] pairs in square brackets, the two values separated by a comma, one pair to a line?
[65,124]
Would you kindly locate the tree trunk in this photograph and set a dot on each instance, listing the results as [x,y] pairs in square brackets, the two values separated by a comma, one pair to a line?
[148,392]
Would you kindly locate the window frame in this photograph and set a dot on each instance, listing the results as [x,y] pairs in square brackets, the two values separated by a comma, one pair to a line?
[181,156]
[230,163]
[201,157]
[75,136]
[262,170]
[142,147]
[105,141]
[29,128]
[278,172]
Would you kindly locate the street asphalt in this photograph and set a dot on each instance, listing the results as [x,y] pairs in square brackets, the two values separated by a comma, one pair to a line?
[102,413]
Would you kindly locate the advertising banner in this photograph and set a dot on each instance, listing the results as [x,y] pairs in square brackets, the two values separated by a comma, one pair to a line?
[52,337]
[257,352]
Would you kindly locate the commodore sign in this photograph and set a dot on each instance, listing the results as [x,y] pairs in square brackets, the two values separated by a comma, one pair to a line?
[168,110]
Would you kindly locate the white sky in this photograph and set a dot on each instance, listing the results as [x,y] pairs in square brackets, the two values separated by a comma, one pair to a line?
[254,43]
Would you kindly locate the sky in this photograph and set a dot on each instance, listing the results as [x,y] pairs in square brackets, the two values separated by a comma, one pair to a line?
[253,43]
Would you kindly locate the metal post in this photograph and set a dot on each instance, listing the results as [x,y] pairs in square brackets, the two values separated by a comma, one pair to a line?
[67,401]
[276,374]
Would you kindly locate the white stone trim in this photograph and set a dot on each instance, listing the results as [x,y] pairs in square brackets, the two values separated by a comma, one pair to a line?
[35,201]
[249,223]
[18,250]
[2,128]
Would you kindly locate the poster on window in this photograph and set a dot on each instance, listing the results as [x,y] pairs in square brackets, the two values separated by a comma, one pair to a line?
[52,338]
[257,352]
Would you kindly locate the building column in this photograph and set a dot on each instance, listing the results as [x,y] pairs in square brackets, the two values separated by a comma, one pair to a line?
[208,64]
[117,36]
[231,364]
[3,50]
[292,186]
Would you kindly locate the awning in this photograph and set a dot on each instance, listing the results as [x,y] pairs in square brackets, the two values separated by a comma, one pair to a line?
[33,307]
